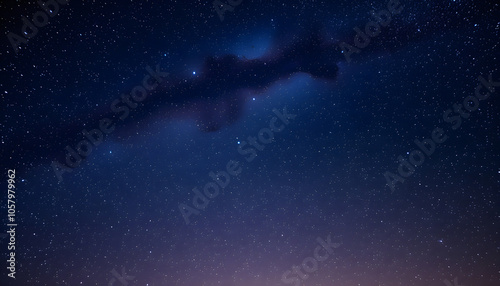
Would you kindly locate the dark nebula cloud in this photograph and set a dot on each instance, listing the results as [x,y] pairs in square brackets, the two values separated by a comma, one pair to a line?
[214,98]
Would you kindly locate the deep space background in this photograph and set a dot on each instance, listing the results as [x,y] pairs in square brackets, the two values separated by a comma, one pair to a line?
[322,174]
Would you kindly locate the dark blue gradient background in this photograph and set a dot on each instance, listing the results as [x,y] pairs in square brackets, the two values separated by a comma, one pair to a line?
[322,175]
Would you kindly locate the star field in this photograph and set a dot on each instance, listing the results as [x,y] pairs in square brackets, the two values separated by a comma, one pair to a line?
[248,143]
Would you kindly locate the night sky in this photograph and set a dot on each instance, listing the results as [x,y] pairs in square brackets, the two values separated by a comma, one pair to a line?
[251,143]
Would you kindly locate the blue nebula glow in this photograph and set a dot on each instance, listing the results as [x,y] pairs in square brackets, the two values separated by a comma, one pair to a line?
[252,47]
